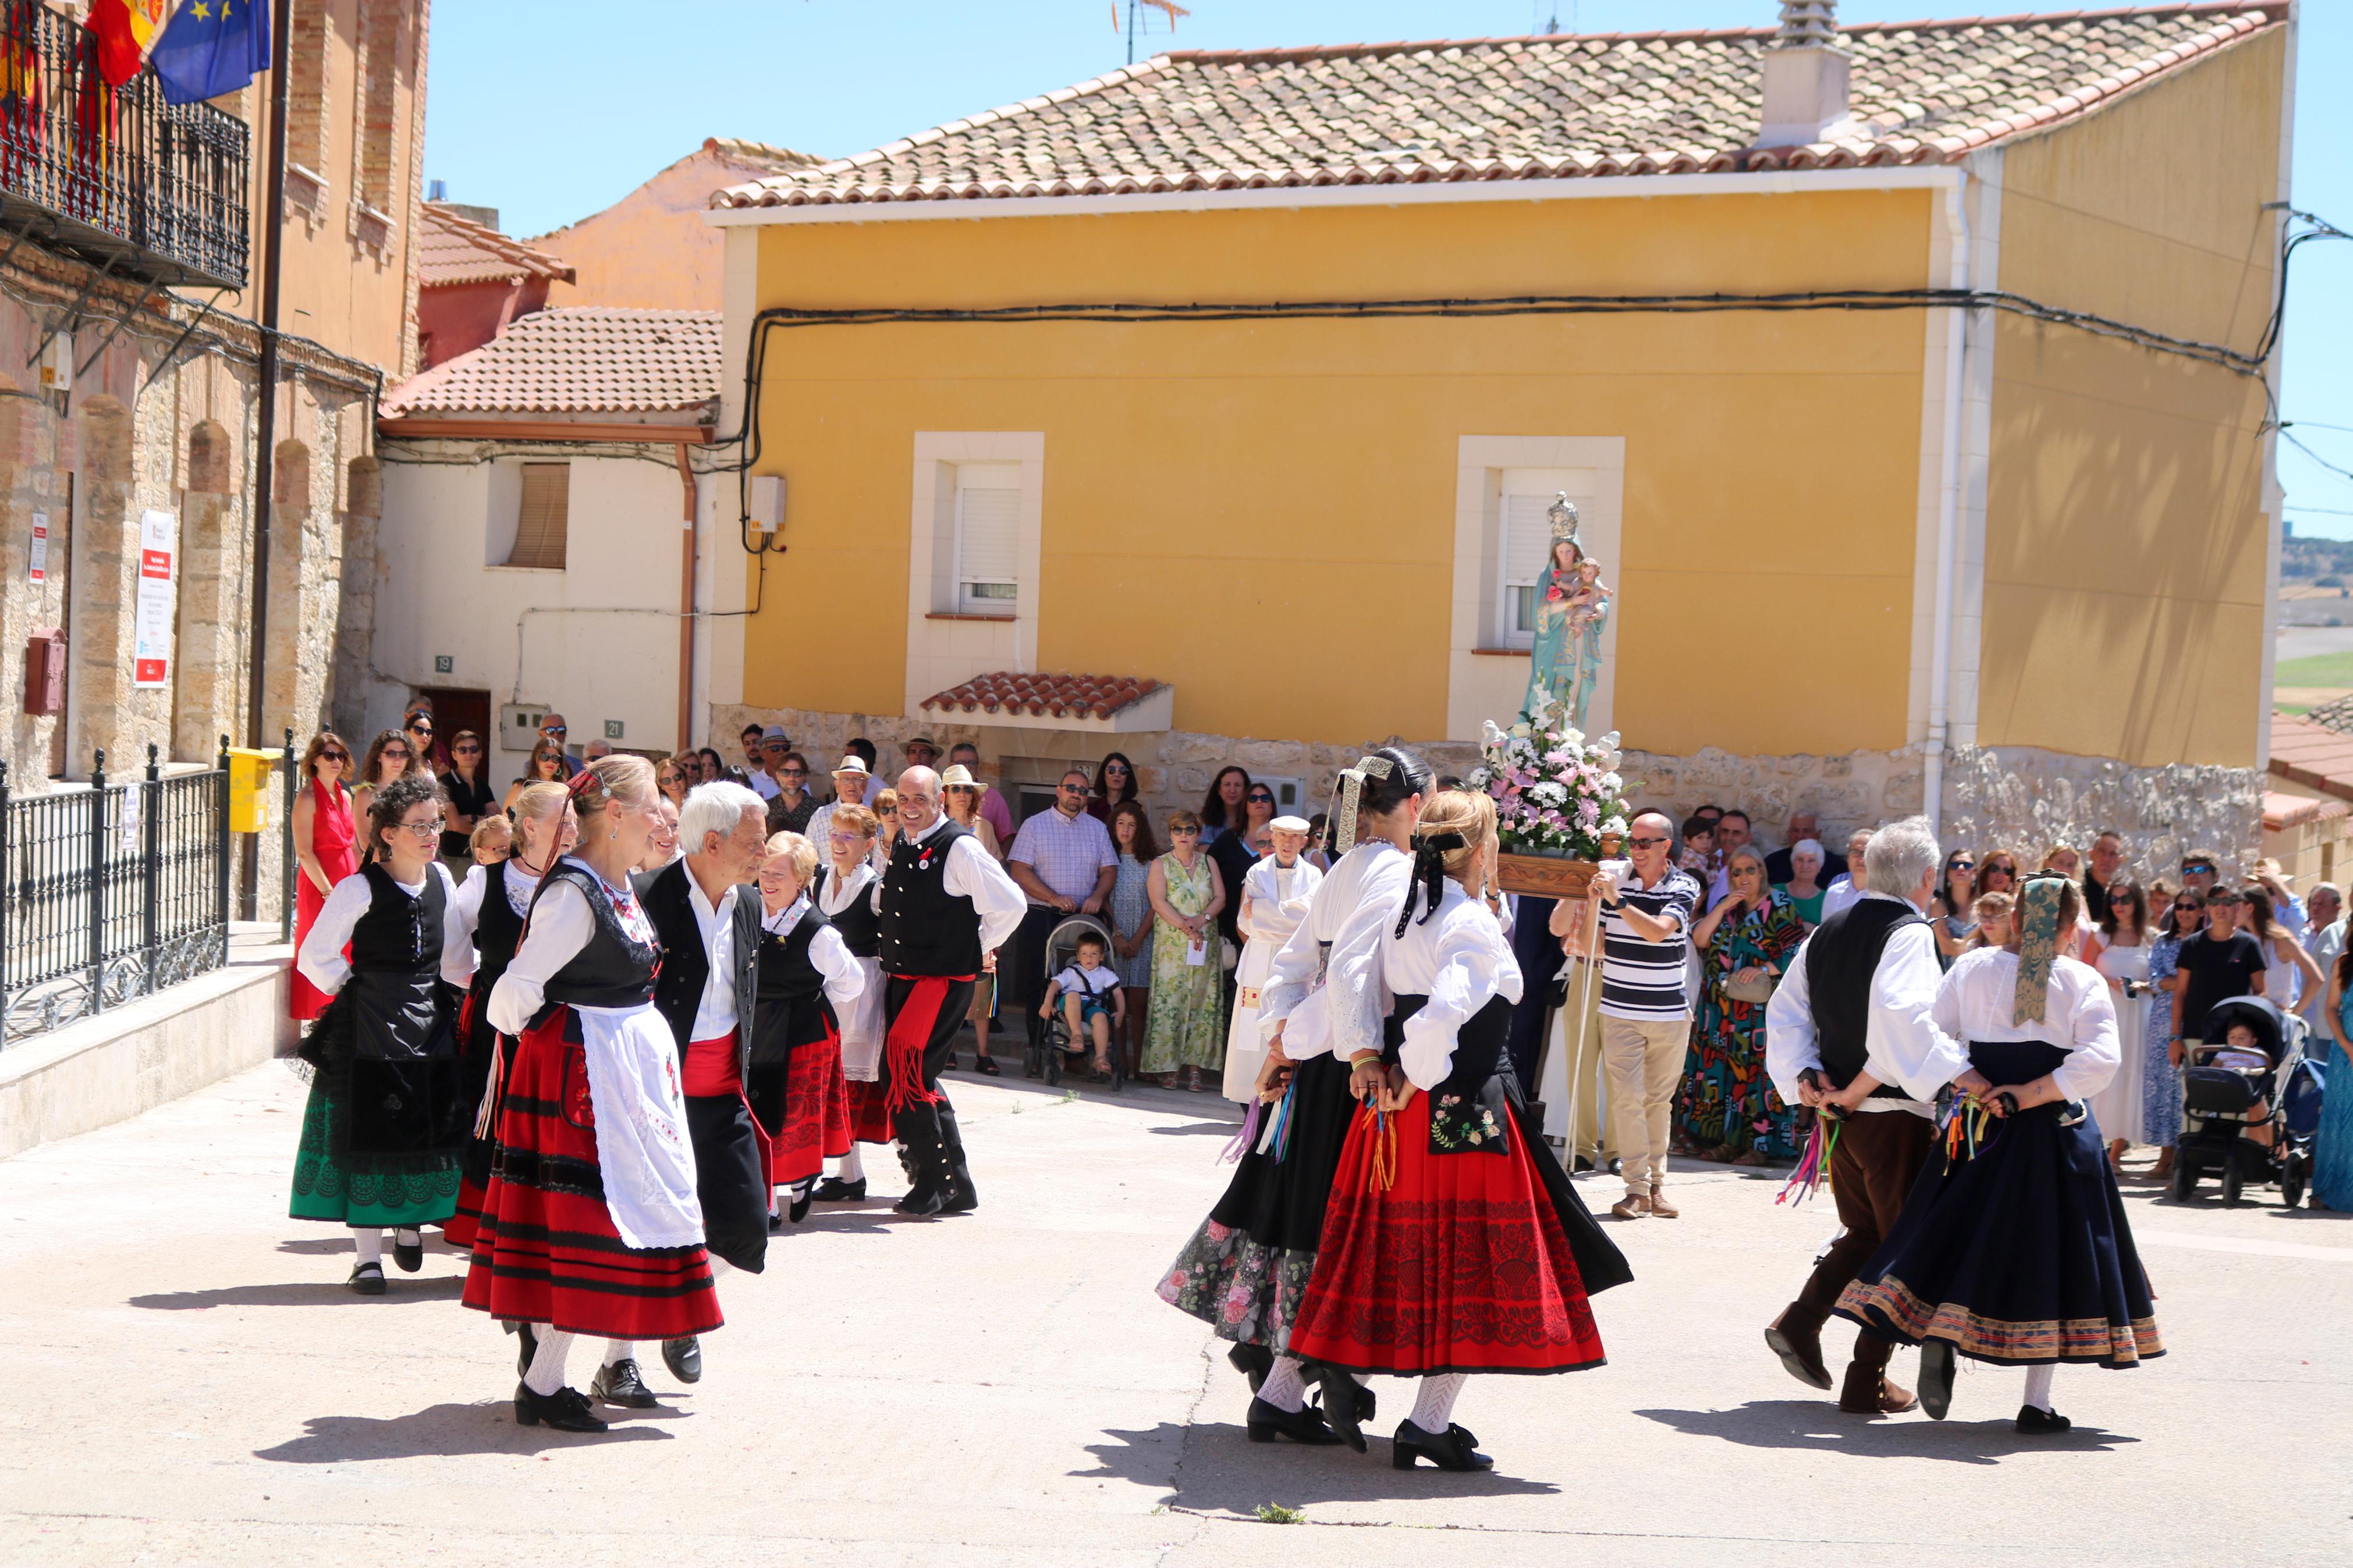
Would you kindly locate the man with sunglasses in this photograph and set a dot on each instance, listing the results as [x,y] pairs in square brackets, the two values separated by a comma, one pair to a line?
[1063,860]
[1646,916]
[553,730]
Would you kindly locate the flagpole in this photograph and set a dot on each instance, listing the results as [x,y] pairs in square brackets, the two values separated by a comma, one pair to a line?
[270,229]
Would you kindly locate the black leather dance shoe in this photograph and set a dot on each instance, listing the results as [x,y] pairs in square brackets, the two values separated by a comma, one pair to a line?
[1449,1450]
[619,1383]
[409,1255]
[800,1210]
[566,1410]
[1340,1402]
[1253,1361]
[2035,1423]
[684,1358]
[1935,1377]
[834,1190]
[1268,1421]
[367,1279]
[1366,1405]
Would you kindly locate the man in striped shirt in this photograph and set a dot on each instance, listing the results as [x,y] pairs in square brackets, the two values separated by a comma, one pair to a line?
[1646,916]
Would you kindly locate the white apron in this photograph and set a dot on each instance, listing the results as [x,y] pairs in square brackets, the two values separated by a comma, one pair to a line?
[643,1151]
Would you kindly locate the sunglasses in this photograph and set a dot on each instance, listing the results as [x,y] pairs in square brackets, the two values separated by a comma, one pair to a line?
[334,756]
[2187,909]
[420,728]
[553,729]
[393,752]
[796,772]
[1647,843]
[1184,833]
[1262,800]
[1964,866]
[887,810]
[466,751]
[1114,767]
[2198,870]
[1059,789]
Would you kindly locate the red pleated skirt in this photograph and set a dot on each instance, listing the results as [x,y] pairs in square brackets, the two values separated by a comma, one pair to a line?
[1461,1265]
[817,1124]
[545,1249]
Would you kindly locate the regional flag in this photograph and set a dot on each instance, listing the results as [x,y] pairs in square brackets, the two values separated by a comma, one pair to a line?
[126,30]
[213,47]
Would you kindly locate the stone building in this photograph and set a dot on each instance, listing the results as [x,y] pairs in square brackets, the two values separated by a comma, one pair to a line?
[1881,364]
[129,398]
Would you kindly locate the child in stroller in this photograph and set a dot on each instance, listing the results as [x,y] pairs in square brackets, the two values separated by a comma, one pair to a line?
[1084,1001]
[2236,1090]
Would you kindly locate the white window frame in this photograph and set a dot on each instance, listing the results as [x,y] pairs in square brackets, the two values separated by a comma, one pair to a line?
[990,478]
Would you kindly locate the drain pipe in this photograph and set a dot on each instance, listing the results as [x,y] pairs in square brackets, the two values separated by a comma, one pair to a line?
[1949,509]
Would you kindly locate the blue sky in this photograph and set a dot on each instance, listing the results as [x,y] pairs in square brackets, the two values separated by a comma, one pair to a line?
[549,121]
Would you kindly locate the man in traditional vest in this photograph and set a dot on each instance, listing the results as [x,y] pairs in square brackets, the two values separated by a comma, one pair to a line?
[945,906]
[1849,1033]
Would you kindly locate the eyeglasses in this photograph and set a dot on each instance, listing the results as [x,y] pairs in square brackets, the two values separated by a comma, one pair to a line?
[2187,909]
[424,829]
[1647,843]
[334,756]
[466,751]
[1114,767]
[886,811]
[1184,833]
[795,772]
[1262,800]
[1060,789]
[401,752]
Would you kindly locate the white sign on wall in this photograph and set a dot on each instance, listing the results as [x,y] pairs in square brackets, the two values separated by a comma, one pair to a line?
[152,650]
[38,570]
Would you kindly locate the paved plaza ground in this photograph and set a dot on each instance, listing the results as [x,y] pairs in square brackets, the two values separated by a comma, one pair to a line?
[196,1386]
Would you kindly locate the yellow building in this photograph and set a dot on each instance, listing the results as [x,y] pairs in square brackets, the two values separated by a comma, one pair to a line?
[1249,374]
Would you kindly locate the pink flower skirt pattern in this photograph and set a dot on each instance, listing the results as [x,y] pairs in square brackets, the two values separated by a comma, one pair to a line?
[1247,1291]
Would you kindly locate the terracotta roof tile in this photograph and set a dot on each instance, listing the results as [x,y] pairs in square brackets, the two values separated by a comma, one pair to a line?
[1043,696]
[2312,755]
[452,250]
[1532,107]
[575,360]
[2281,811]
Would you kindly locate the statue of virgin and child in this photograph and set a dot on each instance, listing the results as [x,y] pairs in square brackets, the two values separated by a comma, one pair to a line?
[1572,607]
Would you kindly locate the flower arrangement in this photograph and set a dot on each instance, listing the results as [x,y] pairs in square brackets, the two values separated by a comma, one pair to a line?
[1555,792]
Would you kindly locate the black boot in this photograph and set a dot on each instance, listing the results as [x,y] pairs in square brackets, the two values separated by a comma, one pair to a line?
[1449,1450]
[565,1410]
[1267,1422]
[960,1196]
[919,1135]
[1340,1402]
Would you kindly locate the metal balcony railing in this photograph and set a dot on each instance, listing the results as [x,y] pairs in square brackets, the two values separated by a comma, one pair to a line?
[149,190]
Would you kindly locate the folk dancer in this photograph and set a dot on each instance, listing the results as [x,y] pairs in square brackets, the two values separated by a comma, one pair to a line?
[806,977]
[706,916]
[845,894]
[1275,894]
[2014,1248]
[590,1224]
[1453,1243]
[1243,1271]
[491,904]
[386,1119]
[944,909]
[1855,1008]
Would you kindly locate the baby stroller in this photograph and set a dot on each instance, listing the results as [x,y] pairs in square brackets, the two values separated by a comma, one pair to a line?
[1051,1037]
[2217,1095]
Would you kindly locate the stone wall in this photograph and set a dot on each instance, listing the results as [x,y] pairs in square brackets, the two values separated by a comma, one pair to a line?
[2018,799]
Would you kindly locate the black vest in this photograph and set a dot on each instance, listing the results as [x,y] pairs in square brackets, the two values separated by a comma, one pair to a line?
[498,931]
[396,980]
[1841,960]
[860,927]
[926,929]
[686,960]
[793,1008]
[615,970]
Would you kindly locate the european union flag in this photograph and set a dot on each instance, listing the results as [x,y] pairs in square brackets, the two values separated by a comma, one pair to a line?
[212,46]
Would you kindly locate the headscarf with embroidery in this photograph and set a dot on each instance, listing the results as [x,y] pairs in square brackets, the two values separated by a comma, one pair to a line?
[2037,944]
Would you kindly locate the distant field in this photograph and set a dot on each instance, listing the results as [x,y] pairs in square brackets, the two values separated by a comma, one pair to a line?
[2319,669]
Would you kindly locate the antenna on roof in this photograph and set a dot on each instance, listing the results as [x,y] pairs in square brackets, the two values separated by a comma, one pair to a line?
[1135,26]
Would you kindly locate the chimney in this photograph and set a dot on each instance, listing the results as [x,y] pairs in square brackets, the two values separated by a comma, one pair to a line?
[1805,76]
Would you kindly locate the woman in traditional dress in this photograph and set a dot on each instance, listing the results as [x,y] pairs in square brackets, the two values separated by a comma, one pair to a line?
[1131,920]
[387,1118]
[491,904]
[2119,949]
[1453,1243]
[1244,1270]
[845,895]
[590,1224]
[807,976]
[1729,1109]
[326,847]
[1274,900]
[2013,1247]
[1187,1015]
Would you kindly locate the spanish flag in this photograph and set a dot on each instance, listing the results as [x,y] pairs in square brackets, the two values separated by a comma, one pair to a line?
[126,30]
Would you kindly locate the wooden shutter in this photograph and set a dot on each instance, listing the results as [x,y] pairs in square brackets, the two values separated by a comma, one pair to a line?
[988,533]
[546,508]
[1527,533]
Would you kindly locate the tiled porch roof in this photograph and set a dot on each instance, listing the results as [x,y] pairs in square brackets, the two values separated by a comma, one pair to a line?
[1043,696]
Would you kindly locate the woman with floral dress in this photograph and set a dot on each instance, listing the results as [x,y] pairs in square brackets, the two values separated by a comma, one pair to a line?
[1187,1027]
[2185,916]
[1729,1109]
[1131,918]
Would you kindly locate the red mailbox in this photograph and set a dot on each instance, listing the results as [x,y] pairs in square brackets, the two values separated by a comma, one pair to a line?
[45,672]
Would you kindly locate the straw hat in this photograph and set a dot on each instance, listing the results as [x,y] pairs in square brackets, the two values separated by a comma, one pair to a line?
[851,765]
[958,776]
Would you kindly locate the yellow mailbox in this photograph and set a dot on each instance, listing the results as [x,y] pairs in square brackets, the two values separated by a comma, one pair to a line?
[249,777]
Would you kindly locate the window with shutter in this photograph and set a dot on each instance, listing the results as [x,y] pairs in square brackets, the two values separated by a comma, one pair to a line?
[546,506]
[1527,531]
[988,525]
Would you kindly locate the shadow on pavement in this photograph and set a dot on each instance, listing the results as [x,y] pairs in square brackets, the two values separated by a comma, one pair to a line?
[1197,1129]
[1816,1425]
[436,1430]
[1218,1469]
[309,1293]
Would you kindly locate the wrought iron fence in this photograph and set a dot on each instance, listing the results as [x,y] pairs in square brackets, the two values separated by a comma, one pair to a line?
[110,893]
[150,189]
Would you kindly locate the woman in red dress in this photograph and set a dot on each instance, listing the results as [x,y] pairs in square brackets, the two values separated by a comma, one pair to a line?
[1453,1243]
[326,845]
[808,978]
